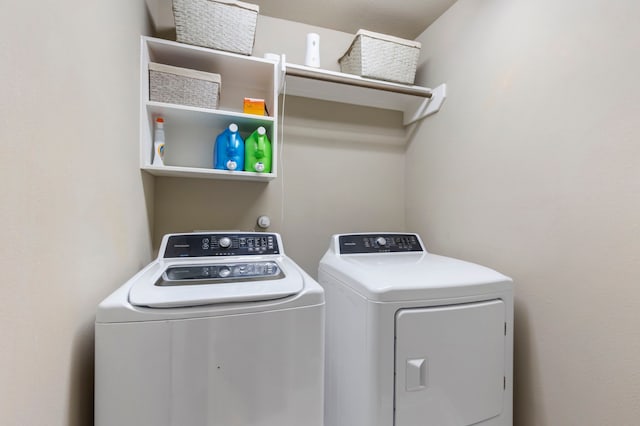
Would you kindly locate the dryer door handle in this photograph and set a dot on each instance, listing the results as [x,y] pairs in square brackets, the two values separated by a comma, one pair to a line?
[416,374]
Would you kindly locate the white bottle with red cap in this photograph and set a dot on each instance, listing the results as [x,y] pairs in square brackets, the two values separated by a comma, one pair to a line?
[158,142]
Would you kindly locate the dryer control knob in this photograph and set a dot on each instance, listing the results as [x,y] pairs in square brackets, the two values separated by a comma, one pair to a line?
[224,242]
[381,241]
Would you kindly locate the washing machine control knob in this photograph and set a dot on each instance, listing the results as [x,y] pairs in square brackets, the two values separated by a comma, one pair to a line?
[224,271]
[381,241]
[224,242]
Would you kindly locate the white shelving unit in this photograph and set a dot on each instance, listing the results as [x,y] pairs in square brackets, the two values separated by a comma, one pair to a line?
[191,132]
[415,102]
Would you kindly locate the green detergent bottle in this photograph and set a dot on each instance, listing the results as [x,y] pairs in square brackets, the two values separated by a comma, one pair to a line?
[257,152]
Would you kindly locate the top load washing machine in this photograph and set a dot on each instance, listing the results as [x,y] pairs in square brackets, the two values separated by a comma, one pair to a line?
[413,338]
[222,329]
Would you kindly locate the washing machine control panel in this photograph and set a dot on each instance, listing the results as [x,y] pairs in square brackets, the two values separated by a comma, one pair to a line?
[220,273]
[219,244]
[379,243]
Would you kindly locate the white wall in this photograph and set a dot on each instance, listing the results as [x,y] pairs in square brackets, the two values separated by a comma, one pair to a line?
[73,217]
[531,168]
[336,175]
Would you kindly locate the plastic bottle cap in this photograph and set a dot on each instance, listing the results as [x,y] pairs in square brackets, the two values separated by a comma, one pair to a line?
[159,120]
[233,127]
[262,130]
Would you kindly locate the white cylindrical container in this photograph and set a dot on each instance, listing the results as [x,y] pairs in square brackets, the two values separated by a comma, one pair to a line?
[312,57]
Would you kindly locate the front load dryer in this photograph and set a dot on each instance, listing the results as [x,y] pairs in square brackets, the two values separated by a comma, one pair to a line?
[413,338]
[222,329]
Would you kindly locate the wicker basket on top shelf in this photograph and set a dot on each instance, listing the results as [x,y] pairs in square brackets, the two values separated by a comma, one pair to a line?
[218,24]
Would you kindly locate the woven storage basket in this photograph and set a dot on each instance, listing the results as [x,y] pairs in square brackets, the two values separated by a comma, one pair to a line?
[382,57]
[219,24]
[183,86]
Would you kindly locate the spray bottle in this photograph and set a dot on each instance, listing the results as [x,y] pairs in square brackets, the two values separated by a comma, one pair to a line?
[228,153]
[158,142]
[258,152]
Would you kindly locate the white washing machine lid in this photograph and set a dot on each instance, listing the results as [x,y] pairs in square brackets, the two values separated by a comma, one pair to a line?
[410,275]
[188,282]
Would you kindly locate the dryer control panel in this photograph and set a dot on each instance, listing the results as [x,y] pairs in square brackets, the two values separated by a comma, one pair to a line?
[221,244]
[379,243]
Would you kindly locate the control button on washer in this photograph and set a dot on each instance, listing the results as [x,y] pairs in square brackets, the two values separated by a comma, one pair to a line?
[224,272]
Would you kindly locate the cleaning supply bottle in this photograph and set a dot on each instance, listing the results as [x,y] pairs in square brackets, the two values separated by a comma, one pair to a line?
[228,153]
[258,152]
[158,142]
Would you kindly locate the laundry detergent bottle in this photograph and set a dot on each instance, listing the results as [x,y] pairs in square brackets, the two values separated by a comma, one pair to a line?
[228,153]
[257,152]
[158,143]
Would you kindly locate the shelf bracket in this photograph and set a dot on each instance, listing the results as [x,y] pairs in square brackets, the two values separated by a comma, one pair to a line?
[430,105]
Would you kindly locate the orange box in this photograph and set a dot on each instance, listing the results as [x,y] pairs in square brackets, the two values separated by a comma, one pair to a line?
[254,106]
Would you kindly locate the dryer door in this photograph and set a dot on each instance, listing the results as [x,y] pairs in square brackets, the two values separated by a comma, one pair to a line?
[449,364]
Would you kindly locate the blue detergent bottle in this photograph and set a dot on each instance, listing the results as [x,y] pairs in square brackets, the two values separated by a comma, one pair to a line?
[228,153]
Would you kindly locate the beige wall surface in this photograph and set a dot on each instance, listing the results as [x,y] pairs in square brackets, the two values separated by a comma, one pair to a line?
[531,168]
[341,168]
[73,214]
